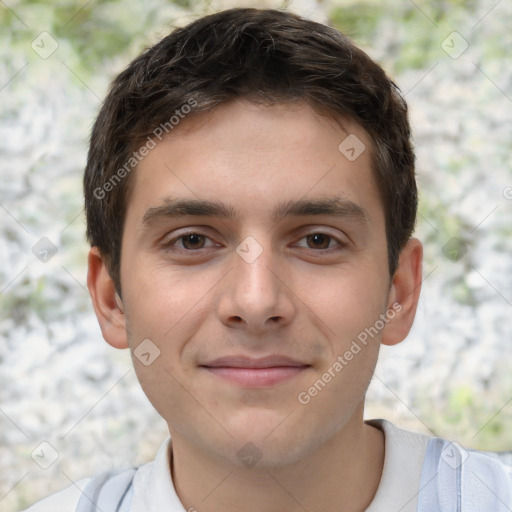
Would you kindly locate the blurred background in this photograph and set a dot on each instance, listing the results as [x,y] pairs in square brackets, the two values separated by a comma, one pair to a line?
[70,405]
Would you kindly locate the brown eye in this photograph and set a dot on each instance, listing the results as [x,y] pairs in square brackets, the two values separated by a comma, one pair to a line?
[318,241]
[193,241]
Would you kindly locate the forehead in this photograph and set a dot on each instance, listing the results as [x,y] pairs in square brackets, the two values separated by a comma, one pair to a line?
[254,157]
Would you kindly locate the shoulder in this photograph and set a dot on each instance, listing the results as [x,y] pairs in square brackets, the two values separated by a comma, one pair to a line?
[430,473]
[107,491]
[116,490]
[63,501]
[453,476]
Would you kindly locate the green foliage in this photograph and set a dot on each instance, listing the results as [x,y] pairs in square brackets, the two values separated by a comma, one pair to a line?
[90,35]
[436,224]
[418,29]
[477,417]
[358,21]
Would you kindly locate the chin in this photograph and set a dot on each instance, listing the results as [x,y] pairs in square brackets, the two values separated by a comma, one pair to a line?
[267,439]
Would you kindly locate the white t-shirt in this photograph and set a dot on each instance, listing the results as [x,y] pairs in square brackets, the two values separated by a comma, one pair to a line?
[154,490]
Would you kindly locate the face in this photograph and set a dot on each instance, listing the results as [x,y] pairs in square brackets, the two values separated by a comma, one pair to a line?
[254,256]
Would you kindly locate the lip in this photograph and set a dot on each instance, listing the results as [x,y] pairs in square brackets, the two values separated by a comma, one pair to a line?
[255,372]
[254,362]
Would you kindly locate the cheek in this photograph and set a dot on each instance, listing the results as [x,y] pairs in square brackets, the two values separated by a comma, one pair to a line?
[162,303]
[162,311]
[345,300]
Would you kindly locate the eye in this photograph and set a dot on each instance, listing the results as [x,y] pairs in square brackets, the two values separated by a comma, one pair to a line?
[321,241]
[189,242]
[193,241]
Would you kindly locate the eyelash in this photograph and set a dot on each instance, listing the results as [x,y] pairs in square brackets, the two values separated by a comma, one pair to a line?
[170,244]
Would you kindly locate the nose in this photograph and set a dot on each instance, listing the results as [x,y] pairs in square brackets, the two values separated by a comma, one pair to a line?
[256,296]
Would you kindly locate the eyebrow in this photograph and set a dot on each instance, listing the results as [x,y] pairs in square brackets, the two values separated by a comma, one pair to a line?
[332,206]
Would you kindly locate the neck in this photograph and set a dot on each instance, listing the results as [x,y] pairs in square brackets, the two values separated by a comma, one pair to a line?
[341,474]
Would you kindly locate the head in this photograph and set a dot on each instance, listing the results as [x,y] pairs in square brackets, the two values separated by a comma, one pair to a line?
[267,57]
[253,127]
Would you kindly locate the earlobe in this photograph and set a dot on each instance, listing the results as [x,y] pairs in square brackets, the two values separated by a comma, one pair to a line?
[404,293]
[107,304]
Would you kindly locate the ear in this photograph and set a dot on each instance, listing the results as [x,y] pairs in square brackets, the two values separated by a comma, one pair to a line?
[404,293]
[107,304]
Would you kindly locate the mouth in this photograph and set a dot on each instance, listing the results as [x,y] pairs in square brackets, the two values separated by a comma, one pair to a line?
[255,373]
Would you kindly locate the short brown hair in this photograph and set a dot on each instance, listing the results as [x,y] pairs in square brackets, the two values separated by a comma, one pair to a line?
[266,56]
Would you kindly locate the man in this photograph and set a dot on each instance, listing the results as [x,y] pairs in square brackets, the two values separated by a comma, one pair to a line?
[250,199]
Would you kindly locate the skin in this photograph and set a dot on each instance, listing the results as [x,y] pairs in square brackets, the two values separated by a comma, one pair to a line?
[304,297]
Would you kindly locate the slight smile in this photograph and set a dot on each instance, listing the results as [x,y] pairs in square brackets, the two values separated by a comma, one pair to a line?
[255,373]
